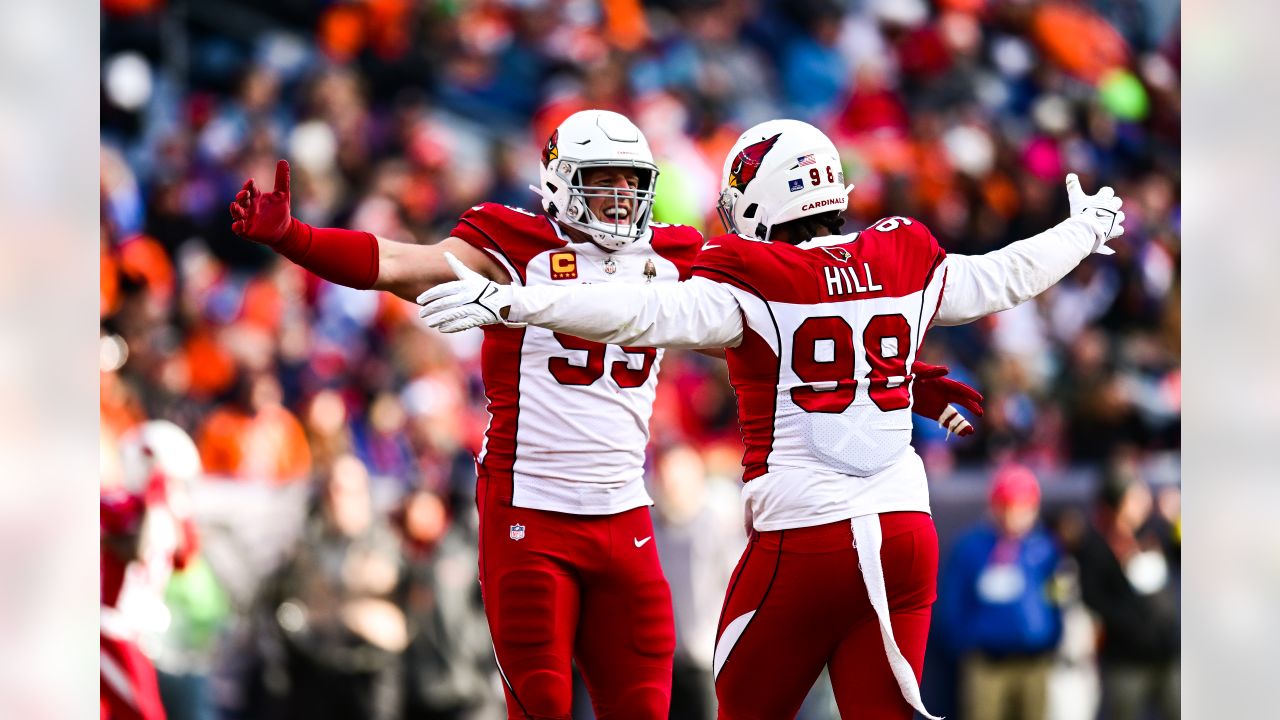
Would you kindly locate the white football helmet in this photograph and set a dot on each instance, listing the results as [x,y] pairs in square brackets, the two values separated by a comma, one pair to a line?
[158,446]
[777,171]
[591,139]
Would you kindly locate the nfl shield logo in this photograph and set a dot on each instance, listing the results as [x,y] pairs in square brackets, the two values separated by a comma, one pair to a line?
[517,532]
[795,185]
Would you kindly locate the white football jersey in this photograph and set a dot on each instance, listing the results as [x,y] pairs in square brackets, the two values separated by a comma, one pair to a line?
[830,331]
[569,418]
[821,339]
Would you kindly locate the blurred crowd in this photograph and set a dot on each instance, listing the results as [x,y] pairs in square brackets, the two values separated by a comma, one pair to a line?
[397,115]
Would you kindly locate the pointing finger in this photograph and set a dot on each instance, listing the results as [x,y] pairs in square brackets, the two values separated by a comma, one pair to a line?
[282,176]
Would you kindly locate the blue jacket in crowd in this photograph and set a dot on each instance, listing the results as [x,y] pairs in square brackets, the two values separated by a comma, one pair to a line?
[994,596]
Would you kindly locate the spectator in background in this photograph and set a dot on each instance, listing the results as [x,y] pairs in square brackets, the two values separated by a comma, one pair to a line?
[450,673]
[255,437]
[328,432]
[994,603]
[813,76]
[383,443]
[699,535]
[954,112]
[1125,579]
[334,602]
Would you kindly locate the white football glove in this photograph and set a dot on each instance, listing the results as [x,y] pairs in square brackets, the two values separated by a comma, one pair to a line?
[470,301]
[1101,210]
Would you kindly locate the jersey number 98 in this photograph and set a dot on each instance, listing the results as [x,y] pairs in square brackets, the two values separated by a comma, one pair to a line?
[836,365]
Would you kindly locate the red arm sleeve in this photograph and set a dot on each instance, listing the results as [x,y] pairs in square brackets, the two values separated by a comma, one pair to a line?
[344,257]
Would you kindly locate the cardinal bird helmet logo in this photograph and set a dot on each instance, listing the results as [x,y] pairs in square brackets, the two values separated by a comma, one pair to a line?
[552,150]
[747,164]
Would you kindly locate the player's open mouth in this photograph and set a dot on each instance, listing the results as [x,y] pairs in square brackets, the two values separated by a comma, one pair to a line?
[617,213]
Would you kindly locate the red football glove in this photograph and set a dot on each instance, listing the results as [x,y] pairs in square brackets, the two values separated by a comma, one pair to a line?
[345,257]
[935,393]
[263,218]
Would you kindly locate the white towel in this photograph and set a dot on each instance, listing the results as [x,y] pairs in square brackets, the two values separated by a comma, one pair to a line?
[867,539]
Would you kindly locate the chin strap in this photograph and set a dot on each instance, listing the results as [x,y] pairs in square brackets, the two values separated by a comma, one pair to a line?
[546,201]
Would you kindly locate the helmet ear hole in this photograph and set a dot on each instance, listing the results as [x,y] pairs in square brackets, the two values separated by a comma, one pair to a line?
[750,212]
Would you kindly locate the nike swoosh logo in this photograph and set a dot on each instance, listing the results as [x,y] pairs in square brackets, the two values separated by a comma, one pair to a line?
[709,246]
[640,543]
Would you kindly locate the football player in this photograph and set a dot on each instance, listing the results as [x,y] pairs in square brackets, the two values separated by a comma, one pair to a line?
[822,330]
[147,532]
[567,567]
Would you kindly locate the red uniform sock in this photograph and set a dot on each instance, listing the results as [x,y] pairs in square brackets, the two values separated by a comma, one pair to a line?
[345,257]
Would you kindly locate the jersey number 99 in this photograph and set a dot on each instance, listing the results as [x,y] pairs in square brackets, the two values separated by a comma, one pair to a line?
[567,373]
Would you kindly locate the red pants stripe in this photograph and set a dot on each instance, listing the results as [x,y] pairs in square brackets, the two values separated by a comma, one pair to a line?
[127,685]
[797,603]
[581,588]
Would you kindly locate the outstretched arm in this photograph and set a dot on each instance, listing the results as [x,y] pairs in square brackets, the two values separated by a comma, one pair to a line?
[696,313]
[979,285]
[406,270]
[348,257]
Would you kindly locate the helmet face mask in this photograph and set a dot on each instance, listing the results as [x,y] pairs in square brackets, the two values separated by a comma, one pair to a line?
[724,208]
[727,205]
[590,140]
[636,203]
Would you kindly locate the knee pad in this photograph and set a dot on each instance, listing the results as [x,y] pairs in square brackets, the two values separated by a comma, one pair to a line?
[543,695]
[525,636]
[527,603]
[653,629]
[645,703]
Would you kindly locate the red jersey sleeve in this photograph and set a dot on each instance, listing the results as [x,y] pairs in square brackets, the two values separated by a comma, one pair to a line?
[721,259]
[679,244]
[912,248]
[511,235]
